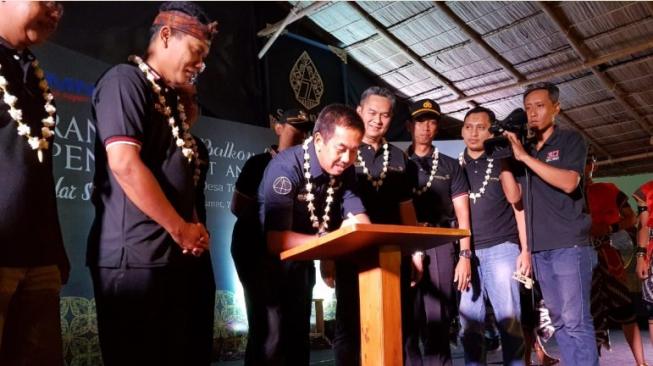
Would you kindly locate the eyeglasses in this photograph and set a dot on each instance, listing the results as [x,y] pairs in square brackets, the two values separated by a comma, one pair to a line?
[55,7]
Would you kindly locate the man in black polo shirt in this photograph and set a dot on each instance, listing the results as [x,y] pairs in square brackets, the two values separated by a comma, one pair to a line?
[306,191]
[441,199]
[385,188]
[557,215]
[144,195]
[33,262]
[258,269]
[497,254]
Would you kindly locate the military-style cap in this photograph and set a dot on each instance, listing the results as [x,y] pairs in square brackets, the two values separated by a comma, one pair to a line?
[297,118]
[423,107]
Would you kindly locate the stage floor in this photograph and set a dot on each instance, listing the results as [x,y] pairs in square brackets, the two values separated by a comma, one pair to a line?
[620,354]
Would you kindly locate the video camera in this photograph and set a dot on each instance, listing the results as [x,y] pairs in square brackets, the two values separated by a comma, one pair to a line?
[499,147]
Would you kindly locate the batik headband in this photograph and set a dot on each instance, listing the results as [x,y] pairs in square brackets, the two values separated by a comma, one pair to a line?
[183,22]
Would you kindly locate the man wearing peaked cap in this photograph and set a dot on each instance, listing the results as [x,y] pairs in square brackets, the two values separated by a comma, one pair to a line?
[298,118]
[440,196]
[423,108]
[258,270]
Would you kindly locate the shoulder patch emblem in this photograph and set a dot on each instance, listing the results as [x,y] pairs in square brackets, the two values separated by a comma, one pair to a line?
[282,186]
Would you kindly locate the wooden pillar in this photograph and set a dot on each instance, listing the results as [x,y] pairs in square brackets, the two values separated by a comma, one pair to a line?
[380,308]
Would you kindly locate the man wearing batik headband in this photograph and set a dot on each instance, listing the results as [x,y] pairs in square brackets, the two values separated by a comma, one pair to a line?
[33,263]
[144,193]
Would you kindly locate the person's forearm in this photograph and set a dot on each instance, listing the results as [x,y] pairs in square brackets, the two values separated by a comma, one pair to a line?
[643,231]
[510,186]
[278,241]
[520,217]
[563,179]
[461,207]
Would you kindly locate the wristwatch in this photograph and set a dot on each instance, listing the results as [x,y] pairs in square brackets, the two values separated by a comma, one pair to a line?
[465,253]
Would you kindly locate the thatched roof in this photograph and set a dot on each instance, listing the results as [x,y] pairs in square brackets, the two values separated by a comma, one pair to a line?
[484,53]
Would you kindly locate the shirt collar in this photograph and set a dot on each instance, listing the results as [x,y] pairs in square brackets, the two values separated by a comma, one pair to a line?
[411,153]
[25,56]
[316,168]
[469,158]
[552,140]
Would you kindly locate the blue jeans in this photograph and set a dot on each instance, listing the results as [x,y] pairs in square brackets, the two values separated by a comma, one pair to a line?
[492,270]
[565,277]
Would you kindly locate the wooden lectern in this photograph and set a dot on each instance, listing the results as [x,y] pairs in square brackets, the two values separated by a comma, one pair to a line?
[377,249]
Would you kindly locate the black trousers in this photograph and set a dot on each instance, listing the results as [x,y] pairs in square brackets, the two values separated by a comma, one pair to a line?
[346,341]
[151,316]
[427,309]
[278,296]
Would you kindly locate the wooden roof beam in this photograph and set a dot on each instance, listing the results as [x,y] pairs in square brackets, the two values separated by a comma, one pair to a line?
[410,54]
[581,49]
[564,72]
[569,121]
[478,39]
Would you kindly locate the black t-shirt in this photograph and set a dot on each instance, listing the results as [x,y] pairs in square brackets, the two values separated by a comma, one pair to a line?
[282,193]
[559,220]
[29,226]
[247,237]
[382,204]
[200,197]
[492,216]
[435,206]
[125,112]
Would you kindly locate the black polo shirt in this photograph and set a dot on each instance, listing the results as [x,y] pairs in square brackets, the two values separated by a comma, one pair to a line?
[282,193]
[435,206]
[492,216]
[382,204]
[29,226]
[124,112]
[559,220]
[247,237]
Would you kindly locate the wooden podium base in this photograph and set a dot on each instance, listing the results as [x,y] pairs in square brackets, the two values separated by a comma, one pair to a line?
[378,277]
[380,308]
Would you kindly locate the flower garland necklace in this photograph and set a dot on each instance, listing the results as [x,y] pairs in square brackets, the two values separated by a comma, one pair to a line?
[376,183]
[434,168]
[186,141]
[322,228]
[36,143]
[488,171]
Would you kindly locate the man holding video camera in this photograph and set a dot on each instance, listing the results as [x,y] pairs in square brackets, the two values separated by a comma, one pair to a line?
[493,192]
[558,220]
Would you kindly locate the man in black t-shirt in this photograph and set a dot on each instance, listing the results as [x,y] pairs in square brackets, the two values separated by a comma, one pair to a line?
[144,195]
[384,186]
[440,196]
[556,214]
[258,270]
[498,251]
[33,262]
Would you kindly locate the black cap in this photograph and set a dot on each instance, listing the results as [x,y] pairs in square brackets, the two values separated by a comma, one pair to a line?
[423,107]
[297,118]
